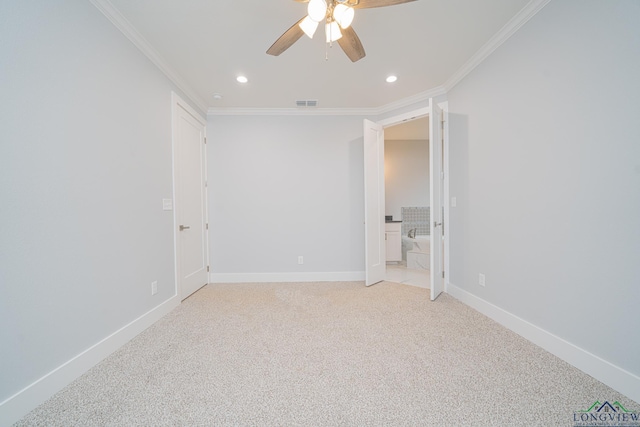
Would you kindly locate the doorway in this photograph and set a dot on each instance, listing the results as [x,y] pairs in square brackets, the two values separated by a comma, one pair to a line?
[407,189]
[375,197]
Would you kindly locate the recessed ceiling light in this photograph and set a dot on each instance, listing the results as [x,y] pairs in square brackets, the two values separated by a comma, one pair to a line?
[242,79]
[217,96]
[391,79]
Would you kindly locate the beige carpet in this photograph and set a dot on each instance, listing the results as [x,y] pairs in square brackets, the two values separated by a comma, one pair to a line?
[325,354]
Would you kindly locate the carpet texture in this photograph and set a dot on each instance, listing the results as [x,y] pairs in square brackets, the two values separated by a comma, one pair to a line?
[325,354]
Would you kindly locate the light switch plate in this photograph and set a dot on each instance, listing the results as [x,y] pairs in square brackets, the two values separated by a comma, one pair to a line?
[167,204]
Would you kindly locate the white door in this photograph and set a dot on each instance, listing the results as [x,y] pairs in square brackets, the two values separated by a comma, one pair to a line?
[190,196]
[436,186]
[375,269]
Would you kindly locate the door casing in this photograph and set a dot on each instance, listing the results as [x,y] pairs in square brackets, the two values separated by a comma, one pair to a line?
[177,105]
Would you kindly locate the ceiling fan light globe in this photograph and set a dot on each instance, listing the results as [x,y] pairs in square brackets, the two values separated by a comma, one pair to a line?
[343,15]
[317,10]
[309,26]
[332,30]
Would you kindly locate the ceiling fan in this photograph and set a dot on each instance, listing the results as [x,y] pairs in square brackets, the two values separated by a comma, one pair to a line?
[338,15]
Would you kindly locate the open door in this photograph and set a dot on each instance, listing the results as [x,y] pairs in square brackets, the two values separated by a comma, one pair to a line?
[375,258]
[435,160]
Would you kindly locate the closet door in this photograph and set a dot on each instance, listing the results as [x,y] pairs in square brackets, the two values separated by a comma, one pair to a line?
[190,174]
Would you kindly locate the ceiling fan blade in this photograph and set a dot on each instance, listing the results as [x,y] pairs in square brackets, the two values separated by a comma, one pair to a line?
[350,43]
[366,4]
[286,40]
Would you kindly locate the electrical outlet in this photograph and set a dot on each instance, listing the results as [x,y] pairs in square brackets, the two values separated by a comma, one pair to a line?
[154,287]
[300,260]
[481,279]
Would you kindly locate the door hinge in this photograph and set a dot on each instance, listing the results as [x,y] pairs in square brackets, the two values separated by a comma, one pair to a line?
[207,268]
[205,140]
[443,274]
[207,226]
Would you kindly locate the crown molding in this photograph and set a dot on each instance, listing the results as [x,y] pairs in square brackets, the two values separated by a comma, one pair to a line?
[509,29]
[126,28]
[364,111]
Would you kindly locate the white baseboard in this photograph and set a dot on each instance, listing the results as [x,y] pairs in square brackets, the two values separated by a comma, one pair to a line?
[340,276]
[21,403]
[615,377]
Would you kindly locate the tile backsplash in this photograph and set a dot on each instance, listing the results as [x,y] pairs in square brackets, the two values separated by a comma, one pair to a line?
[418,218]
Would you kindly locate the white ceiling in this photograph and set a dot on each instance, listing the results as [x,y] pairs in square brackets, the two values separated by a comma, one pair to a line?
[207,43]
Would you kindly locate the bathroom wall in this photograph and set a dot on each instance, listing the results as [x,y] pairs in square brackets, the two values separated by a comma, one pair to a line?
[406,175]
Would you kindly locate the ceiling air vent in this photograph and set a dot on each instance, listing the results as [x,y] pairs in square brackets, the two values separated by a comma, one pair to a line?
[307,103]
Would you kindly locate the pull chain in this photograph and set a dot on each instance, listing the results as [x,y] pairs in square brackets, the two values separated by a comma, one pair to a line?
[329,44]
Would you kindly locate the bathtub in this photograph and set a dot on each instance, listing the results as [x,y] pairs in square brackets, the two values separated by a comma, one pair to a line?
[419,243]
[417,251]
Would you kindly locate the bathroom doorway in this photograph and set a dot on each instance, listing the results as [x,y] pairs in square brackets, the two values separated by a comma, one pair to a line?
[407,210]
[376,235]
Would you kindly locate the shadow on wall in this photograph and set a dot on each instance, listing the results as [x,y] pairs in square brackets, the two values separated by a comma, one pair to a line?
[356,201]
[458,188]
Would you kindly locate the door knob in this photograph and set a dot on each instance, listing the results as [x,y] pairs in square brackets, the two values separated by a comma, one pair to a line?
[435,224]
[184,227]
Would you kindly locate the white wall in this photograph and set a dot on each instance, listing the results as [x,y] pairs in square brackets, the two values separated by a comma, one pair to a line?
[85,160]
[281,187]
[406,175]
[545,165]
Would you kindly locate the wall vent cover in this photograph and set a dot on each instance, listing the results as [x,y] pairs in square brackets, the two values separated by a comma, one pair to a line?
[307,103]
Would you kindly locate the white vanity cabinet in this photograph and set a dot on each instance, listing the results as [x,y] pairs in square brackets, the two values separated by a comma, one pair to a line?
[393,241]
